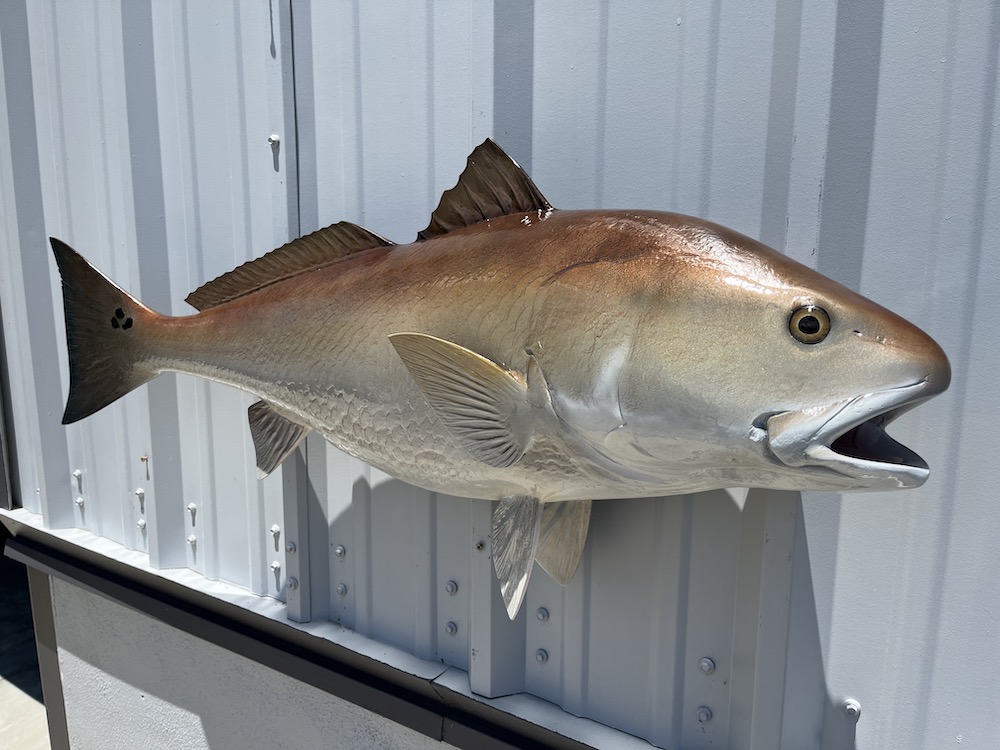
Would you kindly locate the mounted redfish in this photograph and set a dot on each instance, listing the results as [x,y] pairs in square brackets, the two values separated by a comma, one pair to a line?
[537,357]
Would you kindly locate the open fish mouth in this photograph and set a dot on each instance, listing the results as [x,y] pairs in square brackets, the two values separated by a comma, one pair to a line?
[849,438]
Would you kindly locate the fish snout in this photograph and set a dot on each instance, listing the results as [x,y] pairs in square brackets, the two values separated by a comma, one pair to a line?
[910,355]
[928,362]
[938,368]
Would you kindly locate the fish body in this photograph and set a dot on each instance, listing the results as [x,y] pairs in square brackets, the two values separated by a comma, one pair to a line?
[539,357]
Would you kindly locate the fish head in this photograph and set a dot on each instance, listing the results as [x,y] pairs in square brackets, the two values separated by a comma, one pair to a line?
[756,370]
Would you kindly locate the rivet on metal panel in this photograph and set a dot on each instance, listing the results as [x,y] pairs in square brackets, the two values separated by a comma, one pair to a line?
[541,656]
[852,708]
[78,476]
[192,509]
[451,628]
[542,614]
[141,524]
[480,546]
[706,665]
[342,588]
[276,566]
[340,551]
[451,587]
[290,548]
[704,714]
[140,493]
[275,529]
[274,140]
[145,462]
[292,583]
[79,502]
[192,540]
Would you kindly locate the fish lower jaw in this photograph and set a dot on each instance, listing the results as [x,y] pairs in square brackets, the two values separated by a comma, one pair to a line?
[848,438]
[871,474]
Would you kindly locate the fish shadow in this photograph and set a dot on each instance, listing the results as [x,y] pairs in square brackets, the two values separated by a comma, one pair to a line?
[664,582]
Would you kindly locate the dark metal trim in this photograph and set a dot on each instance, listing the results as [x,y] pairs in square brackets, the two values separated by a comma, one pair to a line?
[413,701]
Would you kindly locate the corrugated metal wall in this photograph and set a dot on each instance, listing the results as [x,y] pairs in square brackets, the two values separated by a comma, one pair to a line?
[857,138]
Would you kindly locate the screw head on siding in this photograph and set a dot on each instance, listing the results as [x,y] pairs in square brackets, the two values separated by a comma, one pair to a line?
[542,614]
[274,140]
[292,583]
[290,548]
[275,530]
[451,587]
[342,588]
[140,493]
[451,628]
[339,550]
[78,476]
[704,714]
[276,566]
[141,524]
[79,502]
[541,656]
[192,540]
[852,708]
[480,546]
[706,665]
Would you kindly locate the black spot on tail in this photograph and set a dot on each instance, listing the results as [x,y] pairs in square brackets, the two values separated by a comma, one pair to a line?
[120,320]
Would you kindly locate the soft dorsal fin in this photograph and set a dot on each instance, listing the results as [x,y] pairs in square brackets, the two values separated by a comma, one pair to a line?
[304,254]
[492,185]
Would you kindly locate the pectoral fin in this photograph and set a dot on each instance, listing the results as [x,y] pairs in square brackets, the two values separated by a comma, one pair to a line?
[274,436]
[562,537]
[515,532]
[483,405]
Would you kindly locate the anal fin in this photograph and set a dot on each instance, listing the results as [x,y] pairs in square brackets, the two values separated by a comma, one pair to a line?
[515,532]
[562,537]
[274,436]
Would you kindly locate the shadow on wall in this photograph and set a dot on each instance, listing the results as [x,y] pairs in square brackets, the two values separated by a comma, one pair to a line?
[664,583]
[18,658]
[833,728]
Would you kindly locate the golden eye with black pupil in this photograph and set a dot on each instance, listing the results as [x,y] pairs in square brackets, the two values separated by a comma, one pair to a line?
[809,324]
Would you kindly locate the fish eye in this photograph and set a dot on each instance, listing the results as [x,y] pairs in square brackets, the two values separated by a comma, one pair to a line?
[809,324]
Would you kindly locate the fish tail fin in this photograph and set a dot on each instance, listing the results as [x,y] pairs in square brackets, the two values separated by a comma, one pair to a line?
[106,331]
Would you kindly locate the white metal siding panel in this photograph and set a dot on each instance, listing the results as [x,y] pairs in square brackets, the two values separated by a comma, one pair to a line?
[858,138]
[106,93]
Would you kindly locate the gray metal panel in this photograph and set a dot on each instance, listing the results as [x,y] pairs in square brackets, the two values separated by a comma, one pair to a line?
[858,138]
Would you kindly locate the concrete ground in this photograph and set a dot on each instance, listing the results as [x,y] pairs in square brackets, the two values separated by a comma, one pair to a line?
[22,714]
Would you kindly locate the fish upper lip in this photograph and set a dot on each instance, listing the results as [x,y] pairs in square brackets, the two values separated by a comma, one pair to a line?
[848,436]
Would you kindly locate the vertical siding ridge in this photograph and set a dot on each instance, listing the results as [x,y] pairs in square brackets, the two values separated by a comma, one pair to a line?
[847,175]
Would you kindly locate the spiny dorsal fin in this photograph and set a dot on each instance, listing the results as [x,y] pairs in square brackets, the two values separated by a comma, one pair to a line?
[274,436]
[492,185]
[304,254]
[484,406]
[515,531]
